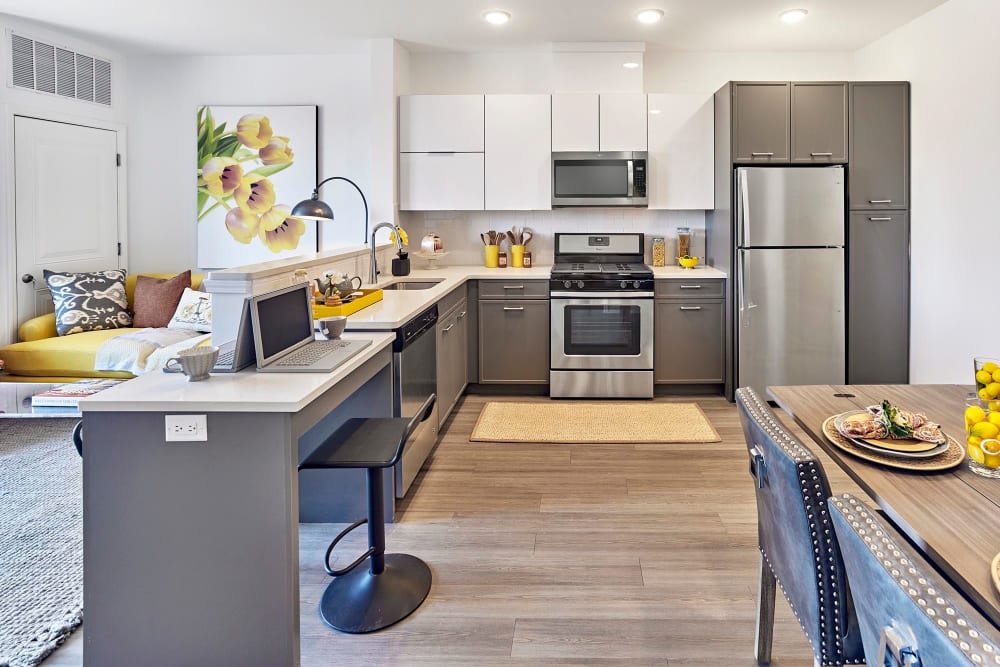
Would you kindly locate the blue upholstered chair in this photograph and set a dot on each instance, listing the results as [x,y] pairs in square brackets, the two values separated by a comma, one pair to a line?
[798,550]
[909,615]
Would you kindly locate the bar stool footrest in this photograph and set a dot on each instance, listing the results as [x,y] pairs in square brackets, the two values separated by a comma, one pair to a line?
[329,550]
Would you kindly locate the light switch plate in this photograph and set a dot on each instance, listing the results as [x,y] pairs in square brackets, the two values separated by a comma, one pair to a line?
[187,428]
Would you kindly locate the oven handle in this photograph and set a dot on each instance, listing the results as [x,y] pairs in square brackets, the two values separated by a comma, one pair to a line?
[621,296]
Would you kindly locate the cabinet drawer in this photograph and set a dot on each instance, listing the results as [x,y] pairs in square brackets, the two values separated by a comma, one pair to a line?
[514,342]
[513,289]
[689,342]
[689,289]
[451,299]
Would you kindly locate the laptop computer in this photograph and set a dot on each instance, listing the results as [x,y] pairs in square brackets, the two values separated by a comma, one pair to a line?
[283,335]
[237,354]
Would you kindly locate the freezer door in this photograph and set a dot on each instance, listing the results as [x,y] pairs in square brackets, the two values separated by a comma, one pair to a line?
[791,317]
[790,206]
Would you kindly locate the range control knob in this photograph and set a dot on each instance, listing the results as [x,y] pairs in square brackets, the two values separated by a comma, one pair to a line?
[624,284]
[635,284]
[567,284]
[579,283]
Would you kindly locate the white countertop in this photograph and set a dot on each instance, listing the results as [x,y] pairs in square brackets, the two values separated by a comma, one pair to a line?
[398,307]
[246,391]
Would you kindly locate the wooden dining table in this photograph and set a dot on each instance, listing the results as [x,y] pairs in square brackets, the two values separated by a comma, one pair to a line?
[951,517]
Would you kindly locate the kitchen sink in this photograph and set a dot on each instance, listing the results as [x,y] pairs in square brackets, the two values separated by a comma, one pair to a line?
[412,284]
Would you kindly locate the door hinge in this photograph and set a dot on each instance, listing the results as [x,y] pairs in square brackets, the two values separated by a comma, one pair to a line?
[119,249]
[118,159]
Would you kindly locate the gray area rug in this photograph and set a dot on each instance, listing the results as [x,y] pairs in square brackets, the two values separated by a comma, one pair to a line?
[41,538]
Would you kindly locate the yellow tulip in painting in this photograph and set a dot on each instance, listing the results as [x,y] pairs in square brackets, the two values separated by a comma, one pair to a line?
[234,169]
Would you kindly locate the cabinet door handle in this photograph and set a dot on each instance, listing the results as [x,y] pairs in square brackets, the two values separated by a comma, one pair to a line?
[886,219]
[755,154]
[513,307]
[461,315]
[821,154]
[690,307]
[879,201]
[513,286]
[690,286]
[447,328]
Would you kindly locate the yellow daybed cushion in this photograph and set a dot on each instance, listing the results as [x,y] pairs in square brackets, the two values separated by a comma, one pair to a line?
[62,356]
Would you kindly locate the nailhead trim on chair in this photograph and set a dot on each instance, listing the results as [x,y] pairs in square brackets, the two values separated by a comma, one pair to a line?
[820,528]
[955,625]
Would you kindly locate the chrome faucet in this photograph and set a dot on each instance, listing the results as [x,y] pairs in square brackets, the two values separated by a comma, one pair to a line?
[373,275]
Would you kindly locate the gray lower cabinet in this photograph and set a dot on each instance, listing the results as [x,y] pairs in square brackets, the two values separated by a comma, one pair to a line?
[880,145]
[761,117]
[819,122]
[452,358]
[878,325]
[689,342]
[513,341]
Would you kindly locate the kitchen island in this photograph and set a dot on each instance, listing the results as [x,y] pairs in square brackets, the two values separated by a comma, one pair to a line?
[191,548]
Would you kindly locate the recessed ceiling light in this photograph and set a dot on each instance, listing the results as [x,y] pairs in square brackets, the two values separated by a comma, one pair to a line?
[496,16]
[630,65]
[649,16]
[793,15]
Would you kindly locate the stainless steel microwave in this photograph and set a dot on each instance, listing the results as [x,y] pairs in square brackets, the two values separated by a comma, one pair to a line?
[599,179]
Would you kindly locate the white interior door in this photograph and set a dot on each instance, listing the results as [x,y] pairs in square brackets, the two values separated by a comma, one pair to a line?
[66,205]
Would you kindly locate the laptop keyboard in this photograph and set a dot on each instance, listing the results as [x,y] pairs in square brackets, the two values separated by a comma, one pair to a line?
[313,352]
[225,358]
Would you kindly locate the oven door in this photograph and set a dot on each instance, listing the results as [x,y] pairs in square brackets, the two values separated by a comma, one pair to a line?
[604,332]
[598,179]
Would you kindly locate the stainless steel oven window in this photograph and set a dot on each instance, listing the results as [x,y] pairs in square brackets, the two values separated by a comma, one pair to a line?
[602,330]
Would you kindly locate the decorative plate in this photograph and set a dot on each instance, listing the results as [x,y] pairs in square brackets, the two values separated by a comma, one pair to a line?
[995,573]
[951,458]
[908,448]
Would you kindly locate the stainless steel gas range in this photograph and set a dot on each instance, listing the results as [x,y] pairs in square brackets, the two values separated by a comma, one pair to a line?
[601,338]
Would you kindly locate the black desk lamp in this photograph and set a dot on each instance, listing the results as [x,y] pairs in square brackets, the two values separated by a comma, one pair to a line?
[316,209]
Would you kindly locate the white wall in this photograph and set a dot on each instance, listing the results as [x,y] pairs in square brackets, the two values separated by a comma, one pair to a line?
[950,57]
[166,92]
[544,72]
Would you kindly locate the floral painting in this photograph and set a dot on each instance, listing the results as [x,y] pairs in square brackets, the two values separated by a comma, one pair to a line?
[254,165]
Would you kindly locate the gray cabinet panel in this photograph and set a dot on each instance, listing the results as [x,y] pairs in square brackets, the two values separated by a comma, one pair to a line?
[880,145]
[693,288]
[452,358]
[689,342]
[514,341]
[513,289]
[878,327]
[819,122]
[761,120]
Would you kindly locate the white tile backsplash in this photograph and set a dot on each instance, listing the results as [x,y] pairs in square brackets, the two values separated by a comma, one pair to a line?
[459,230]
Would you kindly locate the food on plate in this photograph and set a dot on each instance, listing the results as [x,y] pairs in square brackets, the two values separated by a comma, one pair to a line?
[888,421]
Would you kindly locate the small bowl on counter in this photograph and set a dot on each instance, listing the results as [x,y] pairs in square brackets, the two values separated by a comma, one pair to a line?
[687,261]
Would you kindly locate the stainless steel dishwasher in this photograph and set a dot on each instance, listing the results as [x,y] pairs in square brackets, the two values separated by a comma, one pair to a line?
[414,369]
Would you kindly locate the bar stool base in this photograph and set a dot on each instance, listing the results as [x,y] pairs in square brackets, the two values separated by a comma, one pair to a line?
[359,601]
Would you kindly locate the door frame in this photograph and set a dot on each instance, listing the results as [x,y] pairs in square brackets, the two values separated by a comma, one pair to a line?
[8,239]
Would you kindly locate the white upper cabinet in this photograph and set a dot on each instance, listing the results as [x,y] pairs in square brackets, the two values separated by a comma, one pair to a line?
[575,122]
[623,122]
[518,152]
[441,123]
[441,181]
[680,170]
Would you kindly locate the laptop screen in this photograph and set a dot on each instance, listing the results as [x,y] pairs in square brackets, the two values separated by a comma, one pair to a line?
[284,320]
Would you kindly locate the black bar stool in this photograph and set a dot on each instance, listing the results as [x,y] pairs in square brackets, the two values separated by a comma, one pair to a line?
[394,585]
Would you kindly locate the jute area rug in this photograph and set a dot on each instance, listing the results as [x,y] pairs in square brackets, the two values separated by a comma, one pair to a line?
[41,539]
[593,423]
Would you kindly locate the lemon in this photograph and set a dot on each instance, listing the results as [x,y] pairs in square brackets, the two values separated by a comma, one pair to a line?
[985,430]
[994,418]
[994,406]
[973,415]
[991,453]
[974,441]
[984,377]
[975,453]
[989,367]
[996,376]
[993,389]
[983,396]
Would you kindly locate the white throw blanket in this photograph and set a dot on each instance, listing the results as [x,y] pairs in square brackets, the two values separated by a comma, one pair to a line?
[145,350]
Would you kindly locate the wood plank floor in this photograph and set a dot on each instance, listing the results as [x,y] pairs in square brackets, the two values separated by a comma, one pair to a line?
[567,555]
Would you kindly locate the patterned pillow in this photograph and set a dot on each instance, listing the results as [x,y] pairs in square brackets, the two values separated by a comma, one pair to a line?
[89,301]
[194,312]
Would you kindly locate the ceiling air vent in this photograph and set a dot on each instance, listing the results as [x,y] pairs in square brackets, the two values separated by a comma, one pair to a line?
[51,69]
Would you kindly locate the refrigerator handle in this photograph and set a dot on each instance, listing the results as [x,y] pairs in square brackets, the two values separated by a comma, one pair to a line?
[744,302]
[743,206]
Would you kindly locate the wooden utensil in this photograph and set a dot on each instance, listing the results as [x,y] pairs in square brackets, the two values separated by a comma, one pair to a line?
[526,236]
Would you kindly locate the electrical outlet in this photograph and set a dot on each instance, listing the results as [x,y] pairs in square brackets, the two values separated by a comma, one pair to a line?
[187,428]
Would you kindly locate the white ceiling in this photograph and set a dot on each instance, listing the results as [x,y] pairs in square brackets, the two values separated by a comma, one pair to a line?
[317,26]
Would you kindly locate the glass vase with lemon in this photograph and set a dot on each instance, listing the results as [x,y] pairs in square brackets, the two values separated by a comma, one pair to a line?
[982,420]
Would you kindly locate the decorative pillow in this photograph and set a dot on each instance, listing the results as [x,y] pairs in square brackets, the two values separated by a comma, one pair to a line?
[156,299]
[89,301]
[194,312]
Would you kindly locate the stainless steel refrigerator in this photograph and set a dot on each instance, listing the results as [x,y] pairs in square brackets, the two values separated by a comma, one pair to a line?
[790,287]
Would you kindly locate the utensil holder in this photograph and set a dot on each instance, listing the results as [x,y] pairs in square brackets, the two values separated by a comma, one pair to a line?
[492,254]
[517,256]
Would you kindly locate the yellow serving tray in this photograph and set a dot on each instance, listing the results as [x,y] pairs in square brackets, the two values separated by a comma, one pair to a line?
[370,296]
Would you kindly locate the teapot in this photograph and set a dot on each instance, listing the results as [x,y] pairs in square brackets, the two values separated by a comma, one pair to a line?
[333,282]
